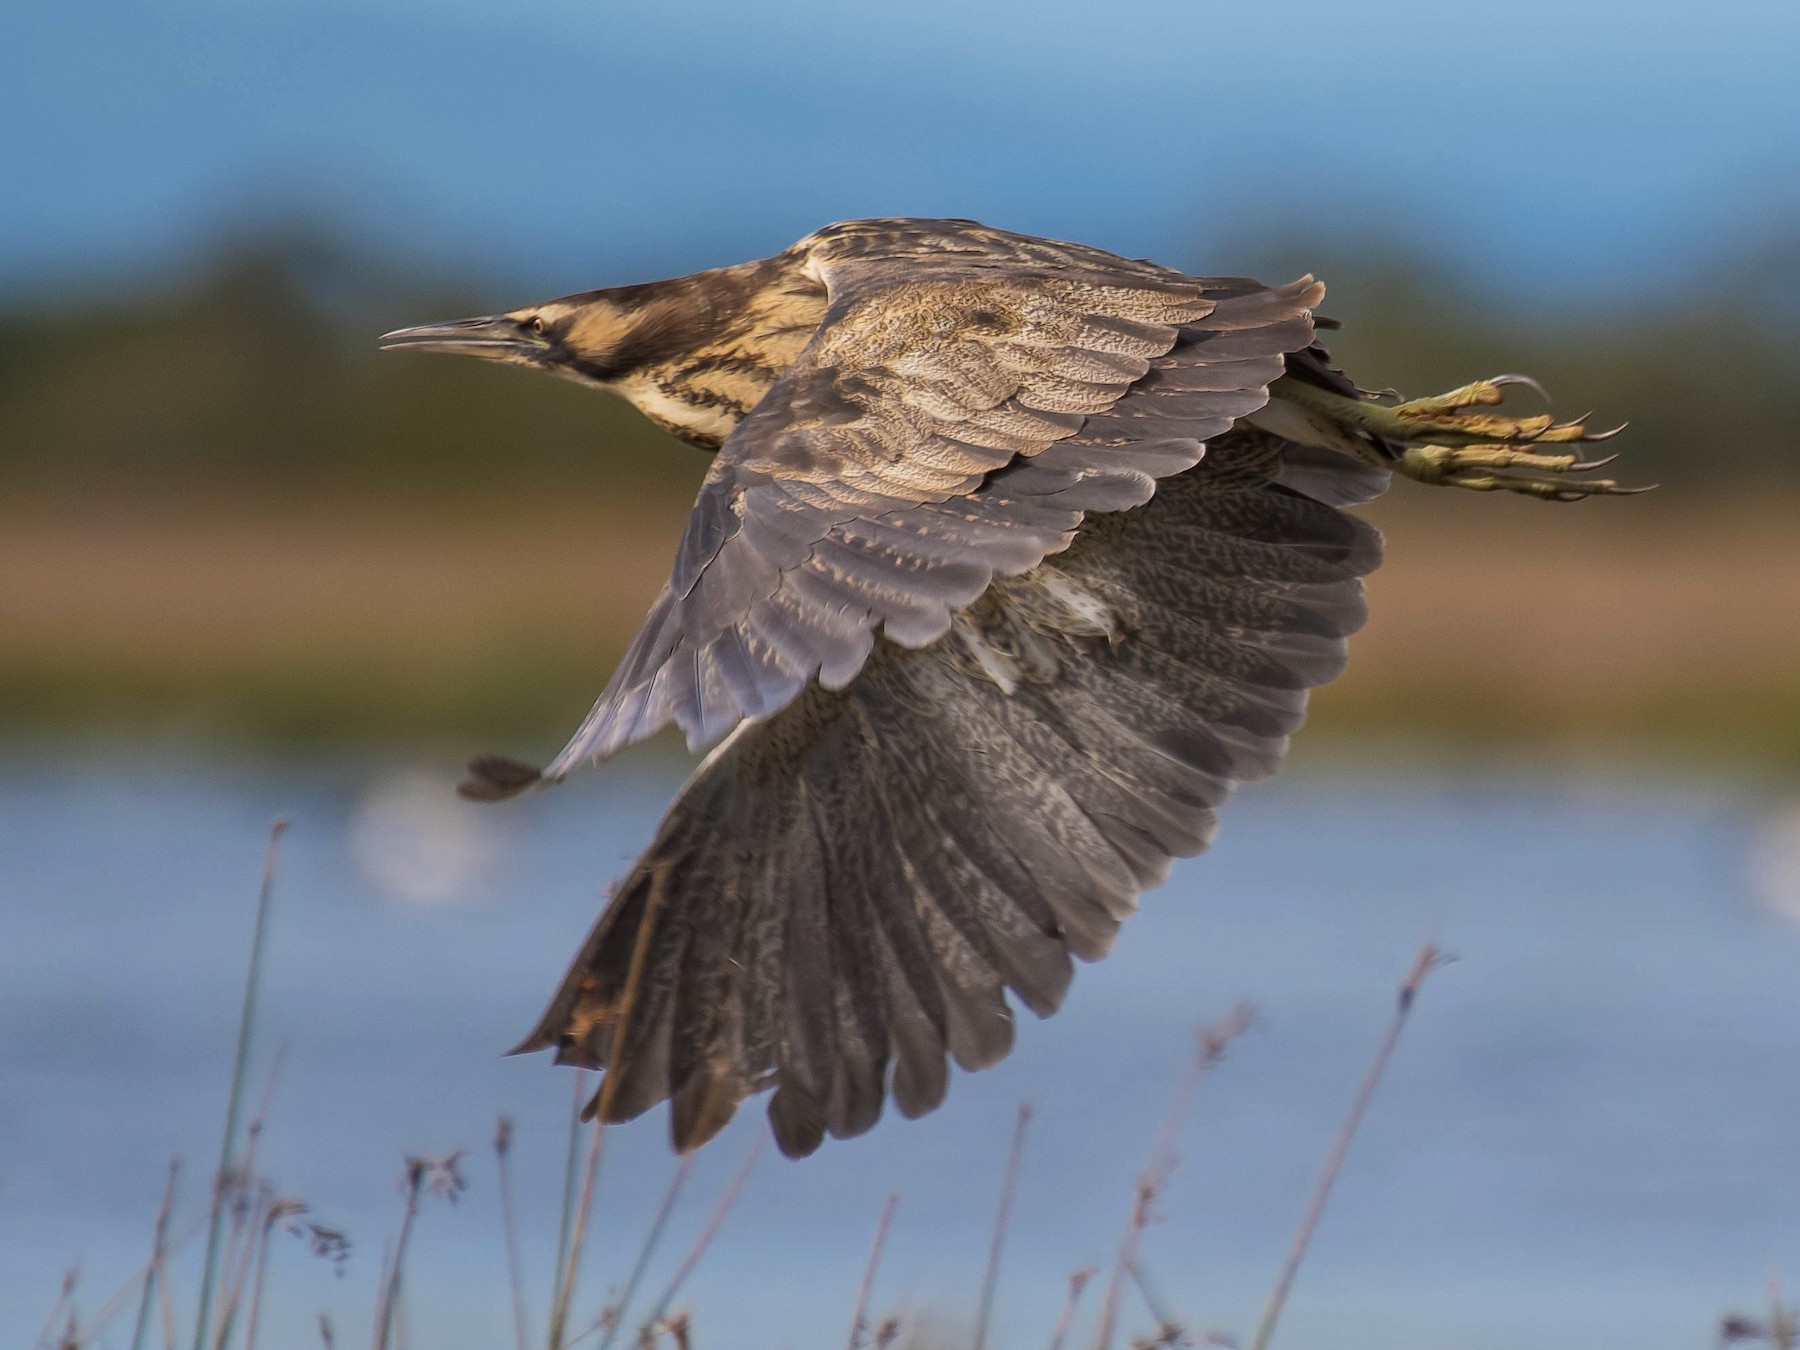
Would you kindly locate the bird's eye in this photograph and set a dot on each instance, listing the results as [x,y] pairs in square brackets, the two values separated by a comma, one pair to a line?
[537,324]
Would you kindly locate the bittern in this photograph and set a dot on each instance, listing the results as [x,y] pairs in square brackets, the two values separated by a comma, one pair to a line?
[1014,558]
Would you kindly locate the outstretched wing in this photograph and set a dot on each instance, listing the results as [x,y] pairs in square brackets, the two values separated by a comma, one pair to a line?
[854,497]
[844,891]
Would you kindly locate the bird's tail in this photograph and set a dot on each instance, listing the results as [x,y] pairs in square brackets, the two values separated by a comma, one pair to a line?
[843,892]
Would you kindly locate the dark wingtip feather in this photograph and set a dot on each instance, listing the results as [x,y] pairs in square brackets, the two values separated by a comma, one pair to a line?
[700,1108]
[797,1119]
[494,778]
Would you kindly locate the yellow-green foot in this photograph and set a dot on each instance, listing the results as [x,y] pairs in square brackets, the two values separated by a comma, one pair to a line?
[1456,440]
[1451,440]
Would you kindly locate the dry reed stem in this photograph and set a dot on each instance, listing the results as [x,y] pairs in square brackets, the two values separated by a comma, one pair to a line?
[153,1270]
[254,1321]
[609,1086]
[646,1249]
[381,1272]
[64,1293]
[439,1176]
[115,1301]
[391,1267]
[247,1210]
[571,1178]
[1780,1330]
[1066,1319]
[1784,1328]
[710,1230]
[256,1221]
[677,1328]
[234,1101]
[859,1317]
[1209,1048]
[503,1131]
[253,1132]
[990,1279]
[565,1286]
[1428,960]
[1167,1323]
[251,1213]
[165,1305]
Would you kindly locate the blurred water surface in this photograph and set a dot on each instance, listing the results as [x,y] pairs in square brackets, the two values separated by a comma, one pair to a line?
[1588,1137]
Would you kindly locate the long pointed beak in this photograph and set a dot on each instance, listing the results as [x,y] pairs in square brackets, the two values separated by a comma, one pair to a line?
[494,336]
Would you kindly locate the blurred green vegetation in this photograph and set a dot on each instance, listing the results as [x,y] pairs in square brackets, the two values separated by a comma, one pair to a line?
[1703,365]
[227,517]
[258,366]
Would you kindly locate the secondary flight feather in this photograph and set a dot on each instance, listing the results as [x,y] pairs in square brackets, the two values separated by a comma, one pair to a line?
[1014,558]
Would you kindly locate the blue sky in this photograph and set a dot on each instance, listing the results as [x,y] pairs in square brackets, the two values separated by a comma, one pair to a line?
[1558,147]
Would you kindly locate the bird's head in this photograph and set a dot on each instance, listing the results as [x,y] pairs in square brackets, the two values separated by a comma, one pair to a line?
[694,353]
[596,337]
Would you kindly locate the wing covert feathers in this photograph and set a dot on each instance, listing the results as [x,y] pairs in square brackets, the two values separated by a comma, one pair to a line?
[868,494]
[846,891]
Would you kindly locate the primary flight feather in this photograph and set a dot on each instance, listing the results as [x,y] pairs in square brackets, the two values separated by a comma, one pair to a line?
[1014,559]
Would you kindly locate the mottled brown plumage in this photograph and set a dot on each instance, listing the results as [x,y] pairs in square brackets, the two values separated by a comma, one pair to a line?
[1015,557]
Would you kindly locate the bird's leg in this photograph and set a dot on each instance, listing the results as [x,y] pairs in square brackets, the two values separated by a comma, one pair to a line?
[1452,440]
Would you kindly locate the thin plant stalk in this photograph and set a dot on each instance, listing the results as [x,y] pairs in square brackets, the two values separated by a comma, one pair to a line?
[565,1288]
[259,1122]
[136,1282]
[1783,1329]
[64,1293]
[1071,1300]
[859,1323]
[708,1232]
[502,1150]
[390,1296]
[240,1254]
[1168,1325]
[165,1306]
[381,1277]
[1428,960]
[651,1238]
[1209,1048]
[234,1101]
[251,1215]
[571,1177]
[990,1280]
[256,1284]
[609,1086]
[281,1210]
[154,1270]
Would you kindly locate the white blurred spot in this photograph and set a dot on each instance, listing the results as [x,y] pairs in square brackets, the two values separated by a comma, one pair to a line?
[1774,863]
[411,838]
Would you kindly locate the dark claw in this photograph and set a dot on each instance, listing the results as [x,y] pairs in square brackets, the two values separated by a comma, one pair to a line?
[1605,435]
[1589,465]
[1634,491]
[1502,381]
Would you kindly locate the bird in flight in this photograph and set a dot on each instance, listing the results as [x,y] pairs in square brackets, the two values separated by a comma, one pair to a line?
[1013,559]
